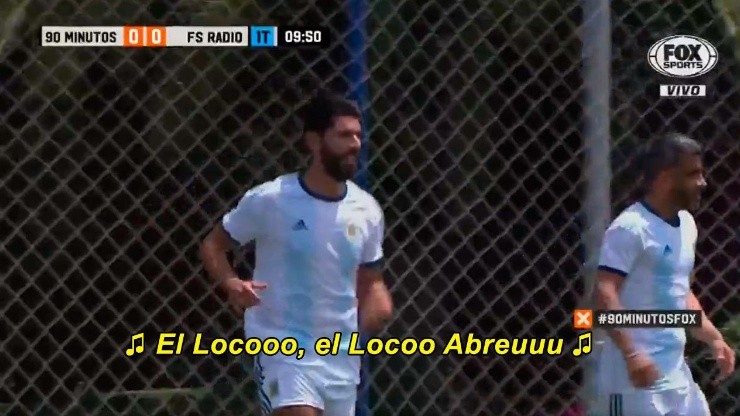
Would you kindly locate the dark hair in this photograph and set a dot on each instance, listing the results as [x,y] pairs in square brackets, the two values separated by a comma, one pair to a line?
[323,107]
[665,153]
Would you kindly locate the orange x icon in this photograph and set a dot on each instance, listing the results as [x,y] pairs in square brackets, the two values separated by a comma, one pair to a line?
[583,319]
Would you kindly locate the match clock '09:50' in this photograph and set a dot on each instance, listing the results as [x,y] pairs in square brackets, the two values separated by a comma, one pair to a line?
[302,36]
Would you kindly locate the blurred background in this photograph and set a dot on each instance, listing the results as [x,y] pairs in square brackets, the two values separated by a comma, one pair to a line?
[499,141]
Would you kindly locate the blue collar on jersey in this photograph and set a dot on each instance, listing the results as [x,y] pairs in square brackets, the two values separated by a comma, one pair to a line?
[673,222]
[319,196]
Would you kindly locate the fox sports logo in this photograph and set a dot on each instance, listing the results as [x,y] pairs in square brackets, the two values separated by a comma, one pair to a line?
[682,56]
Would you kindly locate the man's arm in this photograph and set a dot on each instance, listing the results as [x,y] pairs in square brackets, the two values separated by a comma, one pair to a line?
[214,255]
[710,335]
[608,286]
[707,333]
[375,305]
[374,302]
[240,225]
[641,369]
[621,248]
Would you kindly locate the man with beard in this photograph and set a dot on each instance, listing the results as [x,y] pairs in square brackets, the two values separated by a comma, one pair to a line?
[646,262]
[318,240]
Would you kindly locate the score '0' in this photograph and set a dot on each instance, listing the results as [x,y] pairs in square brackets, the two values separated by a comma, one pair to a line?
[156,36]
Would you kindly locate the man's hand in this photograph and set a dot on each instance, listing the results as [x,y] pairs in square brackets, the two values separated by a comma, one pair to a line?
[373,317]
[711,336]
[725,357]
[642,370]
[242,294]
[375,304]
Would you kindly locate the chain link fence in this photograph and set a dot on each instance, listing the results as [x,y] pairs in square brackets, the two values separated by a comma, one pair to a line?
[115,164]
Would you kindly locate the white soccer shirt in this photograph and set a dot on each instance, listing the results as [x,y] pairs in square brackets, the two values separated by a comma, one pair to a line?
[656,259]
[308,250]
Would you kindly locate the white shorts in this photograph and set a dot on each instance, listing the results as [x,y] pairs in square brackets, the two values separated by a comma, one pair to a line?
[282,384]
[685,402]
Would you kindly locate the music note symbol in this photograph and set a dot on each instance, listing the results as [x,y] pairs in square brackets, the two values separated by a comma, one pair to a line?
[136,349]
[584,345]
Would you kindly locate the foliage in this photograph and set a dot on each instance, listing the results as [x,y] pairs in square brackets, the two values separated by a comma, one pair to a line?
[730,12]
[728,391]
[12,14]
[731,331]
[724,395]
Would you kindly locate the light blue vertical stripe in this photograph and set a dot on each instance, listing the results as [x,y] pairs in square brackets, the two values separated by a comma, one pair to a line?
[661,284]
[300,310]
[347,255]
[663,276]
[357,75]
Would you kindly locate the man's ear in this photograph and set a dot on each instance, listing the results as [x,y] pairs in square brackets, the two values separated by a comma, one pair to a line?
[311,141]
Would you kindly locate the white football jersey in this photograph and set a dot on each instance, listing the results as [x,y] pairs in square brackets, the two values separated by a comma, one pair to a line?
[308,250]
[656,258]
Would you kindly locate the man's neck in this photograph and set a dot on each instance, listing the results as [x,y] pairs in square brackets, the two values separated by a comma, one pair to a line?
[662,207]
[321,183]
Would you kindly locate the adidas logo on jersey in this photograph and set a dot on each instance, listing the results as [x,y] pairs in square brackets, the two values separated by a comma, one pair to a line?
[300,225]
[667,250]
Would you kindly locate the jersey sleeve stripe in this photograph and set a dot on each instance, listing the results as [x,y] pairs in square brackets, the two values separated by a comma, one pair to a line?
[375,264]
[612,270]
[266,404]
[233,240]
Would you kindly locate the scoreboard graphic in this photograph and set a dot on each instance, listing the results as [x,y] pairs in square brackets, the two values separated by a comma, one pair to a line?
[184,36]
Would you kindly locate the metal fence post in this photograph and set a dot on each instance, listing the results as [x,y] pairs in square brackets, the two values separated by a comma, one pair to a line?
[596,36]
[596,75]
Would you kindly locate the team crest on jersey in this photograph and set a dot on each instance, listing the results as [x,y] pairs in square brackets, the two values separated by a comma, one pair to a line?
[352,230]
